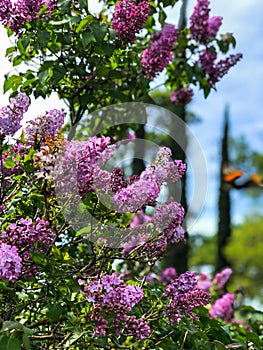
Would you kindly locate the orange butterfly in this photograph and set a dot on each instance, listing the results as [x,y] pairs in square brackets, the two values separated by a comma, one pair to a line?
[239,180]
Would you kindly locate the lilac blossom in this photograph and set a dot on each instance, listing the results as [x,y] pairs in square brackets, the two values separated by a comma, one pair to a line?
[76,164]
[216,70]
[184,296]
[11,116]
[49,124]
[110,295]
[199,21]
[15,15]
[204,282]
[10,262]
[159,55]
[28,236]
[214,23]
[223,308]
[222,277]
[129,18]
[168,275]
[139,219]
[182,96]
[136,195]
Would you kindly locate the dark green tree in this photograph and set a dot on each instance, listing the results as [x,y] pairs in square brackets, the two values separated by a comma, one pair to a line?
[224,201]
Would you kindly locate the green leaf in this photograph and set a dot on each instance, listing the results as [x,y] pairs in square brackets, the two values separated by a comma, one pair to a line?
[73,339]
[10,325]
[9,163]
[43,37]
[84,23]
[86,38]
[17,60]
[162,16]
[26,342]
[59,73]
[54,311]
[99,31]
[219,345]
[10,50]
[108,48]
[102,341]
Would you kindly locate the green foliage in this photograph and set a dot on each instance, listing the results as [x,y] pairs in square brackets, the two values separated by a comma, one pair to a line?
[244,252]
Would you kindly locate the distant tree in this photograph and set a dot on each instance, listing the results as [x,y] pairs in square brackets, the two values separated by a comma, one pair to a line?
[224,203]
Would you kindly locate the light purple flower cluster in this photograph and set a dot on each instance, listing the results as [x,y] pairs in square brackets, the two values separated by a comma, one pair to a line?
[129,18]
[110,296]
[133,197]
[182,96]
[28,236]
[139,218]
[222,277]
[49,124]
[168,275]
[76,165]
[216,70]
[201,26]
[166,219]
[17,14]
[10,263]
[159,55]
[184,296]
[145,189]
[204,282]
[11,116]
[223,308]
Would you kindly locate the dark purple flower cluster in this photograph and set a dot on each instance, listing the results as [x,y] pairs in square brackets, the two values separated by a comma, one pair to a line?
[11,116]
[184,296]
[201,26]
[129,18]
[182,96]
[111,297]
[159,55]
[49,124]
[223,308]
[10,263]
[75,166]
[17,14]
[216,70]
[28,236]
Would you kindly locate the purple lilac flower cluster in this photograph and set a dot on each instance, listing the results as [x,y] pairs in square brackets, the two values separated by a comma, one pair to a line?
[216,70]
[222,277]
[75,166]
[145,189]
[168,275]
[184,296]
[129,18]
[11,116]
[17,14]
[49,124]
[201,26]
[182,96]
[26,236]
[159,55]
[166,219]
[223,308]
[10,262]
[112,297]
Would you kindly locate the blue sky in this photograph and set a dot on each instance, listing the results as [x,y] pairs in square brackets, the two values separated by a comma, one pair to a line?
[242,89]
